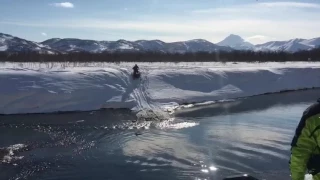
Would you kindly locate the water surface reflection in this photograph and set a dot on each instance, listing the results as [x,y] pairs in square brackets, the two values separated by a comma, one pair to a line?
[202,142]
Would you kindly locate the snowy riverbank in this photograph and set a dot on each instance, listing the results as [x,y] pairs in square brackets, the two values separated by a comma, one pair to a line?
[39,88]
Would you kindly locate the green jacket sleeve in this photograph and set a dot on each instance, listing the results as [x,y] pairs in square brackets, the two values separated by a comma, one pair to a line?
[301,150]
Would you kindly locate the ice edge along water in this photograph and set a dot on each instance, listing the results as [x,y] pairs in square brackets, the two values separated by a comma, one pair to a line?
[44,90]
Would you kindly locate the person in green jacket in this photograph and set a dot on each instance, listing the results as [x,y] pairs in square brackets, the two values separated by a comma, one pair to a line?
[305,150]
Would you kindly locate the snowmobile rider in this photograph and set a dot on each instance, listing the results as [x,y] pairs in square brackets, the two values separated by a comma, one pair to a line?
[135,69]
[305,149]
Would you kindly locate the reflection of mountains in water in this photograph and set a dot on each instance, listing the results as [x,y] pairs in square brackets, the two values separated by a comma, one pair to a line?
[252,103]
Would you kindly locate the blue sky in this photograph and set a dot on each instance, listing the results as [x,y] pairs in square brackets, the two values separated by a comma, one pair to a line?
[257,21]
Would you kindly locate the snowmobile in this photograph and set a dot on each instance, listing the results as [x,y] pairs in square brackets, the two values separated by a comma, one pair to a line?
[136,75]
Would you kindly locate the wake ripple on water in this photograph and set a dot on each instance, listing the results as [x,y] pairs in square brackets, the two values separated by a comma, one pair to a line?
[71,139]
[9,154]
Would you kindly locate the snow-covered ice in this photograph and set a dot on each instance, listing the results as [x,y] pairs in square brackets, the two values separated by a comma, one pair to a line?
[42,88]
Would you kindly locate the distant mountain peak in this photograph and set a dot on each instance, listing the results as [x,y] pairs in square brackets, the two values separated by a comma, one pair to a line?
[234,36]
[232,39]
[236,42]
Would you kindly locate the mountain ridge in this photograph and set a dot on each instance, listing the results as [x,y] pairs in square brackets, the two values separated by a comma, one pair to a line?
[232,42]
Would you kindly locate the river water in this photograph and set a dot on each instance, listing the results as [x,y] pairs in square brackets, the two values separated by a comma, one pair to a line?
[247,136]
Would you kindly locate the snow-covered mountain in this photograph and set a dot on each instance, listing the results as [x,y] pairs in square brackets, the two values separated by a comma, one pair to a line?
[236,42]
[10,43]
[195,45]
[315,42]
[14,44]
[292,45]
[71,45]
[152,45]
[79,45]
[74,45]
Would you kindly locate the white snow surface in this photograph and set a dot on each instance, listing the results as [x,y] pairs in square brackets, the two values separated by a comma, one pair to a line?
[52,87]
[125,46]
[3,48]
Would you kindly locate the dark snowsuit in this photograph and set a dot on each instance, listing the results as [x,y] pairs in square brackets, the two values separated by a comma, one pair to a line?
[135,69]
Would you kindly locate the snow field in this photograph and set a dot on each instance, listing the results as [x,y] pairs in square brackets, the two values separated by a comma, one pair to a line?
[40,89]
